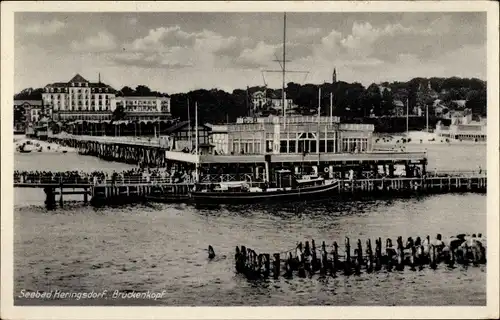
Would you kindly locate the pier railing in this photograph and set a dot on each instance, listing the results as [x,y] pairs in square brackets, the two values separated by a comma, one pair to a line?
[208,178]
[100,182]
[141,141]
[457,173]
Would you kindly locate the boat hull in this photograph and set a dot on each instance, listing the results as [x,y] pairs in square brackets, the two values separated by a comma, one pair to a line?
[300,194]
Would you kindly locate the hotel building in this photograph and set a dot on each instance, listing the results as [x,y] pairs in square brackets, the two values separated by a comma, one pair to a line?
[79,99]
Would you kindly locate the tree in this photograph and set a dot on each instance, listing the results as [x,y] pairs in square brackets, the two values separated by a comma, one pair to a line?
[118,114]
[387,102]
[29,94]
[373,100]
[127,91]
[142,90]
[476,101]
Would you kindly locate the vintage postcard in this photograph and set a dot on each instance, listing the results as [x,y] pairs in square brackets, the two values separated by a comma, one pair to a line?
[257,160]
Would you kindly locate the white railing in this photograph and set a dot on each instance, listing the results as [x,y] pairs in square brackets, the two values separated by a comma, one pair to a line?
[456,173]
[148,142]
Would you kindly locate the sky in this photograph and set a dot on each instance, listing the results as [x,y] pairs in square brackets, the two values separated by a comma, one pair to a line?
[177,52]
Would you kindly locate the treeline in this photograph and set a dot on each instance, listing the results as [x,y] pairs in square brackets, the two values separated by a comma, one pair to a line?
[350,100]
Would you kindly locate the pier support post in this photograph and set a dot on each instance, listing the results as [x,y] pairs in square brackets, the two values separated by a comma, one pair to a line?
[401,254]
[389,251]
[369,253]
[86,195]
[432,256]
[61,199]
[50,198]
[335,264]
[267,258]
[237,259]
[347,262]
[324,259]
[314,263]
[276,266]
[359,257]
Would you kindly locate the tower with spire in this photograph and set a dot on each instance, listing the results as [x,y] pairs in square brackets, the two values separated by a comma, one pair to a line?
[334,75]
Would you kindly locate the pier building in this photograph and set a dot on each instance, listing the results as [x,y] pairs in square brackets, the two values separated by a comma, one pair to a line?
[259,147]
[183,137]
[219,138]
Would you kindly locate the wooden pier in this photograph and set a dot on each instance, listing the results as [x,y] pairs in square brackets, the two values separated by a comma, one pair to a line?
[307,260]
[165,190]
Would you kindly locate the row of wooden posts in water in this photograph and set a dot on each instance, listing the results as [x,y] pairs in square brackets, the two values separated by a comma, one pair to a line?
[308,261]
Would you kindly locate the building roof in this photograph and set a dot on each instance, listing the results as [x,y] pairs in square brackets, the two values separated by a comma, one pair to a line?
[181,125]
[140,97]
[460,103]
[78,78]
[258,94]
[398,103]
[37,103]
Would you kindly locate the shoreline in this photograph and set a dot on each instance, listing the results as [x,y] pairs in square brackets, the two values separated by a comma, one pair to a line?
[35,145]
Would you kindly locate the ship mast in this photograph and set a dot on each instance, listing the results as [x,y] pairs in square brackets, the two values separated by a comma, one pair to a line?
[284,68]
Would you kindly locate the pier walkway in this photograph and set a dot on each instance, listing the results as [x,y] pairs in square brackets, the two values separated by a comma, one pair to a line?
[126,189]
[126,140]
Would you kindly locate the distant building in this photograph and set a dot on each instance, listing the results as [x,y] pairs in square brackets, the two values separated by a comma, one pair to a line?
[259,100]
[79,99]
[26,113]
[462,127]
[143,108]
[399,108]
[439,108]
[275,101]
[459,103]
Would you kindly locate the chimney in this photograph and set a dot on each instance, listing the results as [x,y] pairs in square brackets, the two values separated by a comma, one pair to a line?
[99,77]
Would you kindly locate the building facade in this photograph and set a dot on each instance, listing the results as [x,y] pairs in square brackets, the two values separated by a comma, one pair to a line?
[143,108]
[260,100]
[298,135]
[26,113]
[462,127]
[183,136]
[79,99]
[219,139]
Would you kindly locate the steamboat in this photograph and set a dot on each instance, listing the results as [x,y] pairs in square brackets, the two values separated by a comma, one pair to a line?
[288,188]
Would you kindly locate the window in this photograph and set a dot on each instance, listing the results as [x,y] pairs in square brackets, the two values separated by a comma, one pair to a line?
[269,146]
[302,146]
[330,146]
[322,146]
[283,146]
[312,146]
[292,146]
